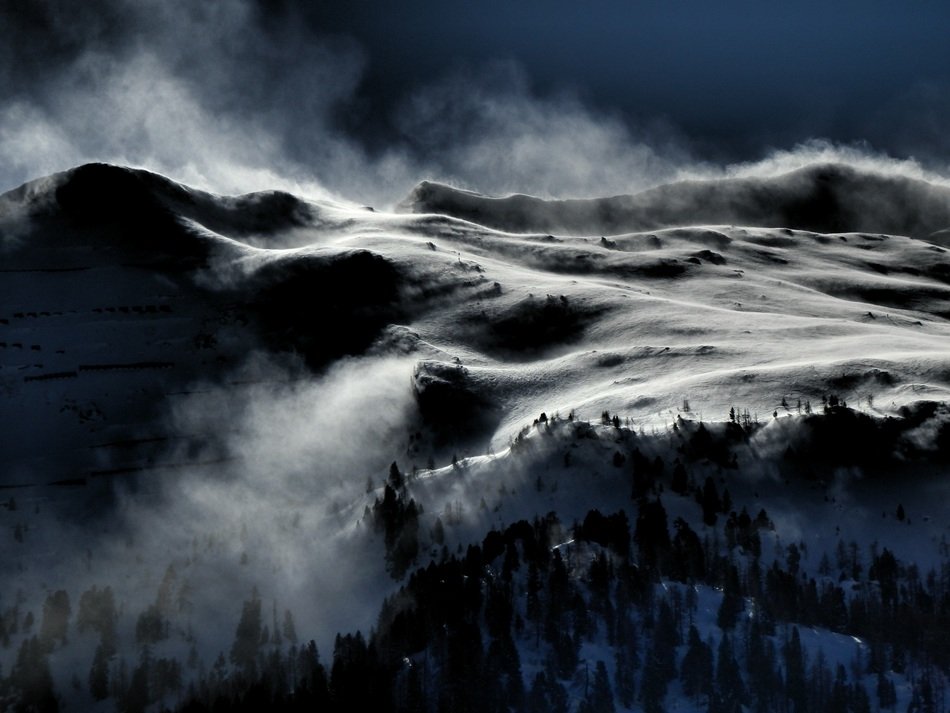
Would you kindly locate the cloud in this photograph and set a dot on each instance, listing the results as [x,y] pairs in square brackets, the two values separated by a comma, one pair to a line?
[229,98]
[142,117]
[239,96]
[203,95]
[280,512]
[486,129]
[299,453]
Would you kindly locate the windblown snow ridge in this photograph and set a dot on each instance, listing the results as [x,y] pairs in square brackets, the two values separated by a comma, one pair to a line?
[120,269]
[823,198]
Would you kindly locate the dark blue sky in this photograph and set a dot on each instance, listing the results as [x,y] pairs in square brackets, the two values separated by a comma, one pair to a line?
[737,75]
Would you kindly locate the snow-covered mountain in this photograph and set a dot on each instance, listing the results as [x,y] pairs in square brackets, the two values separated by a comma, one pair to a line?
[122,288]
[215,386]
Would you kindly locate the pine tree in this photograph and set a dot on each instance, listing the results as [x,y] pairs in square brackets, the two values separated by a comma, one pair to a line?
[348,675]
[652,687]
[624,676]
[728,679]
[601,698]
[680,482]
[697,669]
[652,534]
[56,611]
[660,666]
[886,693]
[396,479]
[688,559]
[31,680]
[137,698]
[405,546]
[840,693]
[537,701]
[760,666]
[247,637]
[97,611]
[151,626]
[732,603]
[312,677]
[725,505]
[99,675]
[288,629]
[795,672]
[859,700]
[438,532]
[710,502]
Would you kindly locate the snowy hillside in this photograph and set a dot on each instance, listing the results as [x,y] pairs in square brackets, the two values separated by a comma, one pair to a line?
[122,289]
[201,396]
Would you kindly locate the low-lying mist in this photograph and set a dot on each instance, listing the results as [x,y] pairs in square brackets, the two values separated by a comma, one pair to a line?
[270,509]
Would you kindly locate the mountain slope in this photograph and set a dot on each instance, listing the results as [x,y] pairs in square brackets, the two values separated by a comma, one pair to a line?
[121,288]
[227,420]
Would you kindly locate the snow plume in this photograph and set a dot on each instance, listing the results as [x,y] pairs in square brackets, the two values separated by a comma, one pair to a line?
[286,516]
[931,435]
[268,496]
[234,98]
[490,133]
[230,98]
[861,156]
[179,88]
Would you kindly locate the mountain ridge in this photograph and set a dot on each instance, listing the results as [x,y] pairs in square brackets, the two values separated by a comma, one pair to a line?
[822,197]
[498,323]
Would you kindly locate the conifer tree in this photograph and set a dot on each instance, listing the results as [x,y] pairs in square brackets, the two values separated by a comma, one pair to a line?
[795,672]
[728,678]
[680,482]
[886,692]
[99,675]
[56,611]
[710,502]
[696,672]
[732,603]
[396,479]
[600,698]
[247,637]
[31,680]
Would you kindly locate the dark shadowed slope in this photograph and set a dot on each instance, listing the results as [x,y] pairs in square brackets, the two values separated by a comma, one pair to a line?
[826,198]
[101,212]
[121,289]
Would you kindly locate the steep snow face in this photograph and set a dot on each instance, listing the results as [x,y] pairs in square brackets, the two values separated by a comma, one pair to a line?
[121,289]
